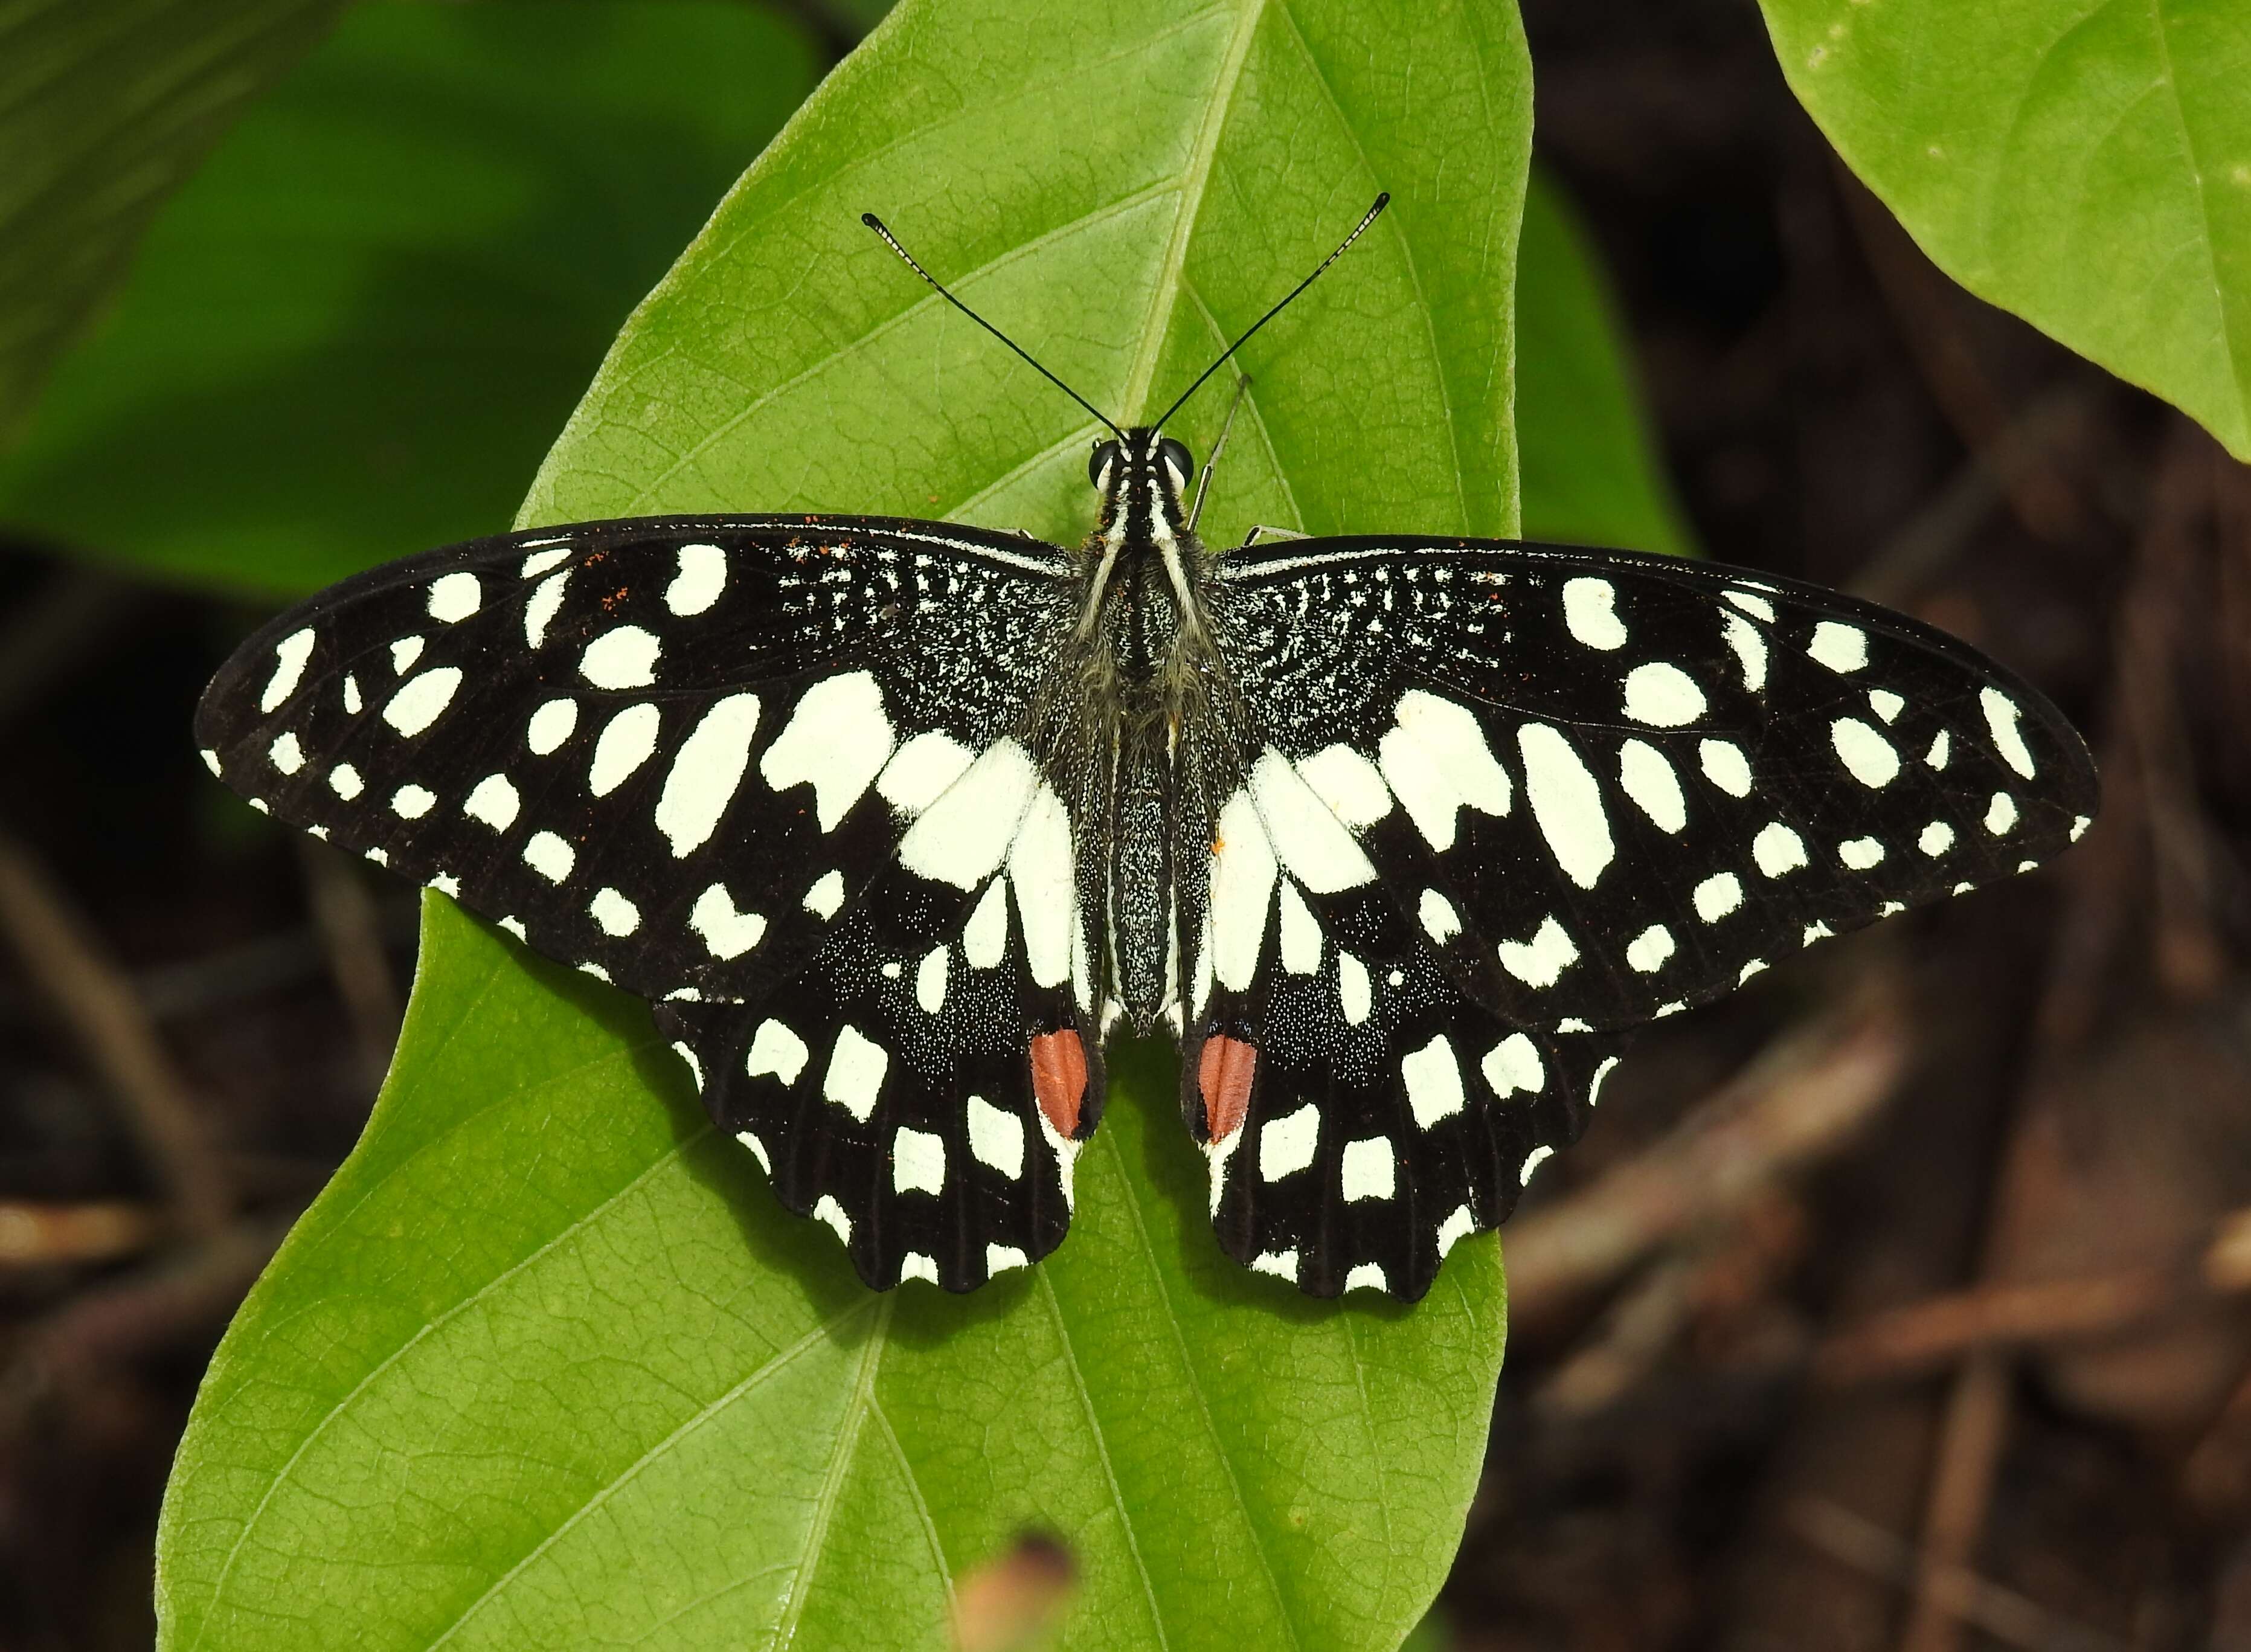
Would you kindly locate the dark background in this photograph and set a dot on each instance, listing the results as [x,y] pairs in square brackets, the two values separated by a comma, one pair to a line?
[1895,1302]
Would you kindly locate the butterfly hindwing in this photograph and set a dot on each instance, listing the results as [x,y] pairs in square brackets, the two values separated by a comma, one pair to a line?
[1358,1113]
[669,751]
[914,1087]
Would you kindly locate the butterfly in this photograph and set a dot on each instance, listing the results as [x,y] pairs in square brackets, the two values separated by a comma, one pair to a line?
[893,822]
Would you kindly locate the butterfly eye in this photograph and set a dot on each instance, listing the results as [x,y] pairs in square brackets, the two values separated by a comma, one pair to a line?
[1177,460]
[1098,463]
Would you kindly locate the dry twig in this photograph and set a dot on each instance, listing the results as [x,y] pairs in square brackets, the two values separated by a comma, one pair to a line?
[66,961]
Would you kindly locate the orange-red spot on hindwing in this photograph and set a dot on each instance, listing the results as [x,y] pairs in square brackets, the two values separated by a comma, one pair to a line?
[1059,1078]
[1223,1073]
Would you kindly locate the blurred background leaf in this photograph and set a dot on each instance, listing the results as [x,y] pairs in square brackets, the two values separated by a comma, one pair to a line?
[1592,471]
[104,108]
[2087,166]
[356,331]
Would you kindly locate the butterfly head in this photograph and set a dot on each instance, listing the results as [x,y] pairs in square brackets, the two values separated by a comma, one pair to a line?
[1143,454]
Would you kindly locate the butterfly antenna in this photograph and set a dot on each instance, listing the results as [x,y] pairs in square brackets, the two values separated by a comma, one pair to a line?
[1358,229]
[892,241]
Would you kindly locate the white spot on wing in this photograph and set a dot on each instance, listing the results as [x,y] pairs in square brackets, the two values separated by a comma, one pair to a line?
[1647,951]
[775,1049]
[418,703]
[964,837]
[1662,695]
[289,656]
[915,1264]
[1370,1170]
[1726,766]
[625,742]
[856,1072]
[1649,779]
[539,612]
[1867,754]
[1861,853]
[1750,645]
[1717,896]
[623,658]
[1532,1161]
[705,771]
[540,561]
[344,781]
[453,597]
[702,575]
[1434,1081]
[826,1209]
[412,802]
[1286,1145]
[1841,647]
[549,856]
[985,937]
[1935,756]
[1348,784]
[404,652]
[920,770]
[1514,1064]
[1243,873]
[999,1258]
[1588,612]
[1305,835]
[551,725]
[930,981]
[616,915]
[1567,802]
[1440,921]
[2001,715]
[826,895]
[1540,960]
[1884,704]
[1778,850]
[1281,1264]
[726,932]
[494,801]
[1937,839]
[1039,870]
[996,1138]
[837,740]
[286,754]
[1356,994]
[1456,1228]
[1750,604]
[918,1162]
[1436,760]
[1367,1276]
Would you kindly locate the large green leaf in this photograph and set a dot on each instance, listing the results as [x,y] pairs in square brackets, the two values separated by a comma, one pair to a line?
[546,1365]
[103,109]
[2082,163]
[1591,474]
[356,329]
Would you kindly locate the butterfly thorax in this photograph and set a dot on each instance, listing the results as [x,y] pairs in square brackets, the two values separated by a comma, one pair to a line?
[1144,675]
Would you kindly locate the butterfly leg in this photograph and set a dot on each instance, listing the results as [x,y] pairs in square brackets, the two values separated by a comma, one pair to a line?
[1262,530]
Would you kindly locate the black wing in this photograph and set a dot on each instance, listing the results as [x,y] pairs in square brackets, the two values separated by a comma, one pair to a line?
[1524,799]
[761,769]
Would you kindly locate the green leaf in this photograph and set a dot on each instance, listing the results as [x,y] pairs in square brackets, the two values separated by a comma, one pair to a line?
[1592,471]
[354,333]
[546,1364]
[104,108]
[2087,165]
